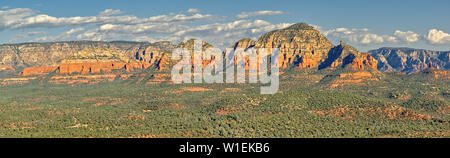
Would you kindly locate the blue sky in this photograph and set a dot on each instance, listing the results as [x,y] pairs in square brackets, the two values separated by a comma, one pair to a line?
[364,24]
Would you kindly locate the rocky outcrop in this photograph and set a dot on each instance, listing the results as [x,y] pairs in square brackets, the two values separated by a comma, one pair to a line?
[244,43]
[13,81]
[299,44]
[7,68]
[99,60]
[76,79]
[302,46]
[189,45]
[52,53]
[410,60]
[351,78]
[346,56]
[436,73]
[32,71]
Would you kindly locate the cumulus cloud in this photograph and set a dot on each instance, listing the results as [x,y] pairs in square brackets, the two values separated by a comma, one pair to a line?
[407,36]
[362,36]
[109,12]
[114,31]
[225,34]
[365,36]
[193,10]
[113,24]
[219,34]
[11,16]
[435,36]
[25,36]
[258,13]
[25,18]
[63,36]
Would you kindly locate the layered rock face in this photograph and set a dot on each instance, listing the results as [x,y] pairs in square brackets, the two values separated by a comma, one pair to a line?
[31,71]
[190,44]
[52,53]
[435,72]
[100,60]
[352,78]
[298,43]
[346,56]
[302,46]
[410,60]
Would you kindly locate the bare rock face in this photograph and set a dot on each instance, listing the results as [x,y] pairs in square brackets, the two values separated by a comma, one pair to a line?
[299,44]
[189,45]
[93,60]
[7,68]
[53,53]
[346,56]
[302,46]
[244,43]
[96,54]
[436,72]
[410,60]
[33,71]
[352,78]
[84,57]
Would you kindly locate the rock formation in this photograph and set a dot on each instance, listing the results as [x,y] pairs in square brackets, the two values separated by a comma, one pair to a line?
[302,46]
[346,56]
[7,68]
[52,53]
[410,60]
[32,71]
[98,60]
[189,45]
[93,60]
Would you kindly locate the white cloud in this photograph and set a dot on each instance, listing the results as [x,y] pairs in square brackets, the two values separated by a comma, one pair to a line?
[25,36]
[193,10]
[109,12]
[407,36]
[365,36]
[8,17]
[435,36]
[223,35]
[258,13]
[63,36]
[111,24]
[25,18]
[156,39]
[361,36]
[74,30]
[220,35]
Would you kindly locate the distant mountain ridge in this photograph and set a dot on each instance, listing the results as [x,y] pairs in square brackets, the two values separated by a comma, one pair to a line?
[410,60]
[53,53]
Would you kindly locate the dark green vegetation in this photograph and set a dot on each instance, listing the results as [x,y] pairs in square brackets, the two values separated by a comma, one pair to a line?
[396,106]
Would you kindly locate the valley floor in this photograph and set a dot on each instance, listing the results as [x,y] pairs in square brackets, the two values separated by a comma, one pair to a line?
[393,107]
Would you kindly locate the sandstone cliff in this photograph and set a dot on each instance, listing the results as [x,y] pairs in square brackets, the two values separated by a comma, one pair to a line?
[346,56]
[302,46]
[52,53]
[189,45]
